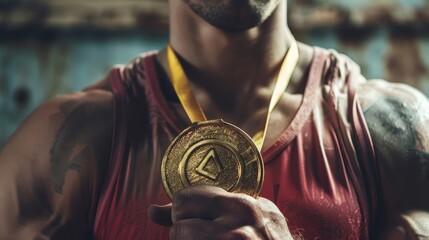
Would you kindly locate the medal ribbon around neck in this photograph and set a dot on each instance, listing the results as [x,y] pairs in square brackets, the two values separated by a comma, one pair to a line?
[193,108]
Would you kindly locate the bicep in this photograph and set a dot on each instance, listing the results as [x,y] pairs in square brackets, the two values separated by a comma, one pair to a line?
[25,199]
[397,118]
[47,170]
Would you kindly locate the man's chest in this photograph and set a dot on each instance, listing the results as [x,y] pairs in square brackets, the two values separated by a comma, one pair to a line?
[308,181]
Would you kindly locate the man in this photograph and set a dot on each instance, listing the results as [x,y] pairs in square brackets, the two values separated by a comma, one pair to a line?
[72,171]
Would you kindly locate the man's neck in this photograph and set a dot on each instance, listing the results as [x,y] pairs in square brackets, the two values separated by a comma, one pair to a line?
[228,61]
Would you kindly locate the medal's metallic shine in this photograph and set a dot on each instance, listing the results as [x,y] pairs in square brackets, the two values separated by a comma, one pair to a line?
[213,153]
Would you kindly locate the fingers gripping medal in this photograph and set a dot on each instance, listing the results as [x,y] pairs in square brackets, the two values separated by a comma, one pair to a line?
[216,152]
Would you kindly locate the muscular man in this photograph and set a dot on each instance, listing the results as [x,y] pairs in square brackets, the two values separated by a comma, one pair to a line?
[344,158]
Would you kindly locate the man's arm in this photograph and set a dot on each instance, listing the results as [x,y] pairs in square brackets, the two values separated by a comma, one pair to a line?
[52,165]
[398,120]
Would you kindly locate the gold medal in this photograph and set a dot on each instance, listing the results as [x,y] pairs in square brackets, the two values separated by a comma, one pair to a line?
[213,153]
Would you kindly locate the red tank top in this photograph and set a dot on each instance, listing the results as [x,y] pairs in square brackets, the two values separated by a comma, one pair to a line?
[321,172]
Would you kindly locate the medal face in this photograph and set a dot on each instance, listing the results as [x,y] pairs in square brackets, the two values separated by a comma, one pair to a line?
[213,153]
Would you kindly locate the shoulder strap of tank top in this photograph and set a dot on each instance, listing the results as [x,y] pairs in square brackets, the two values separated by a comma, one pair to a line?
[120,118]
[307,105]
[368,162]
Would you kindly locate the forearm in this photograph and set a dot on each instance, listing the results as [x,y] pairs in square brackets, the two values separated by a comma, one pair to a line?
[410,226]
[416,224]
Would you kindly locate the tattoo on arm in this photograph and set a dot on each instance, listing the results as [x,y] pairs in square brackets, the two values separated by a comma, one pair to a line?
[76,140]
[399,140]
[392,123]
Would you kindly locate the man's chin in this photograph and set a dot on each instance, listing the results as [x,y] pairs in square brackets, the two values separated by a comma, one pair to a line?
[231,16]
[234,26]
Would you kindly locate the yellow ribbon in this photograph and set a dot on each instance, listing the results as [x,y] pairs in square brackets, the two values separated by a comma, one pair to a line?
[193,108]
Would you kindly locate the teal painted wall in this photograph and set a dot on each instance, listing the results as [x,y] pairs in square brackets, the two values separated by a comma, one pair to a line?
[34,68]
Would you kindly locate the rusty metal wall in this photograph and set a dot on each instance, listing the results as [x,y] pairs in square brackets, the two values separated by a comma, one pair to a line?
[388,38]
[51,47]
[392,54]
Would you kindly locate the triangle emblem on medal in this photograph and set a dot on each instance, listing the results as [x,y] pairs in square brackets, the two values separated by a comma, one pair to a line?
[211,166]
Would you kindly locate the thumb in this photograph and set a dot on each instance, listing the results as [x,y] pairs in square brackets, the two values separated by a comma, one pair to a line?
[160,214]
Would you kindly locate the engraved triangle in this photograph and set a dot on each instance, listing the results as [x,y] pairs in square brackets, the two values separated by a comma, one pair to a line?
[211,166]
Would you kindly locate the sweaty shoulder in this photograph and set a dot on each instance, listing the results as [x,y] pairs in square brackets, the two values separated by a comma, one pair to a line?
[52,167]
[397,114]
[397,117]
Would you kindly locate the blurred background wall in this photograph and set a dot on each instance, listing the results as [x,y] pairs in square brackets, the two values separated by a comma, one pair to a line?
[50,47]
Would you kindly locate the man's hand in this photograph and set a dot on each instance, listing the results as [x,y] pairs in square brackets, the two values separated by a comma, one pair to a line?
[207,212]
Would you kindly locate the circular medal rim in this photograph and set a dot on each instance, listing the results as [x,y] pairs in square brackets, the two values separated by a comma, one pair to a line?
[212,122]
